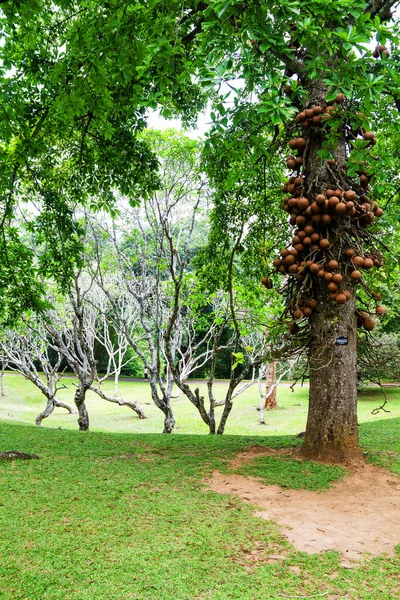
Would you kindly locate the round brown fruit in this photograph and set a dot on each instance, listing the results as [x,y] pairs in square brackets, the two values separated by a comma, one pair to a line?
[341,299]
[347,294]
[337,278]
[333,264]
[358,261]
[297,314]
[332,287]
[320,199]
[301,143]
[368,324]
[300,116]
[293,328]
[324,243]
[290,260]
[267,283]
[314,268]
[291,163]
[378,296]
[329,193]
[302,203]
[307,311]
[368,263]
[300,220]
[356,275]
[307,241]
[321,273]
[350,195]
[340,208]
[339,98]
[350,252]
[333,202]
[282,269]
[326,219]
[380,310]
[333,295]
[369,135]
[328,276]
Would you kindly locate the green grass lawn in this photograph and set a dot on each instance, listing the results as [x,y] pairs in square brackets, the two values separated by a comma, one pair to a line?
[23,402]
[111,515]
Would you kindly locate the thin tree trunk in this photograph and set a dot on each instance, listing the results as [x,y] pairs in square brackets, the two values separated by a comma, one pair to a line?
[135,406]
[270,387]
[3,368]
[79,399]
[227,409]
[116,386]
[162,403]
[47,411]
[51,404]
[169,421]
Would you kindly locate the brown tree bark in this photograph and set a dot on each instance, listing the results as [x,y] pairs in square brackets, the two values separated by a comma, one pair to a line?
[332,432]
[270,387]
[332,429]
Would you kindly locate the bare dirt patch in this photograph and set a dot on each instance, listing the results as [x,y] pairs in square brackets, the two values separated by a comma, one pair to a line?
[16,455]
[358,516]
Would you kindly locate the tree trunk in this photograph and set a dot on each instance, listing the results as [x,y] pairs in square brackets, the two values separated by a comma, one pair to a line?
[47,411]
[3,368]
[332,429]
[169,421]
[79,399]
[227,409]
[270,387]
[163,403]
[331,433]
[51,404]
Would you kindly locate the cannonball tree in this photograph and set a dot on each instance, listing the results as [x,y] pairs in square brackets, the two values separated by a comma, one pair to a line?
[316,81]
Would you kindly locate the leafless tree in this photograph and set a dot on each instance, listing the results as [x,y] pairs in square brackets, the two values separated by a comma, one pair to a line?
[25,349]
[72,334]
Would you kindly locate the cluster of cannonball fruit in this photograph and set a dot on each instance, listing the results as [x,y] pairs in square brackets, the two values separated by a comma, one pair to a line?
[309,252]
[380,51]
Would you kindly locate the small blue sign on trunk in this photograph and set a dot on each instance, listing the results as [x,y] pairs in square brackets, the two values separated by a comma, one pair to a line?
[342,340]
